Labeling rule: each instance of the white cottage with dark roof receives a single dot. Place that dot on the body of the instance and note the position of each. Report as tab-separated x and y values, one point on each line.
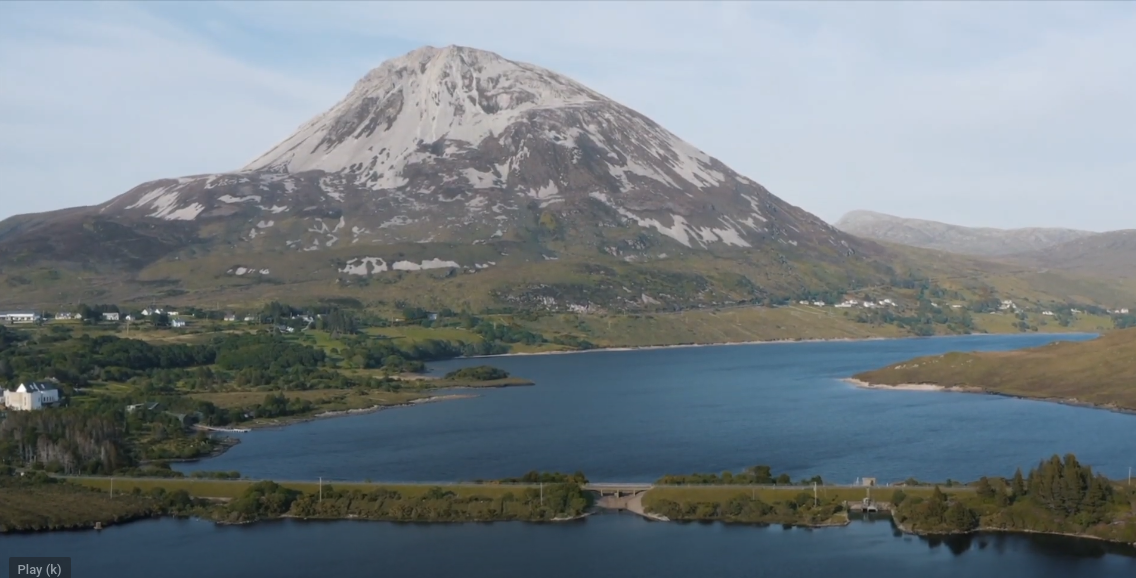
32	396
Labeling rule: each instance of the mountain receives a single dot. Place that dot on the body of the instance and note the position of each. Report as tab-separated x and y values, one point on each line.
498	181
1100	371
953	238
1106	255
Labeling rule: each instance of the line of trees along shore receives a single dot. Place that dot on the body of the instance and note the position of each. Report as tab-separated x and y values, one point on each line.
1057	496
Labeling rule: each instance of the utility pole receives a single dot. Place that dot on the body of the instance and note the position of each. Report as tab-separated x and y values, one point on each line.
1129	475
814	494
112	486
542	493
321	489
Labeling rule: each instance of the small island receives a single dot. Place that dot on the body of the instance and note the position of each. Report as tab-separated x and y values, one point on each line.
478	376
1100	372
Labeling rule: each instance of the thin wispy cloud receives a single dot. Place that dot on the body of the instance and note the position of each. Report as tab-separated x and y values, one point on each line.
998	114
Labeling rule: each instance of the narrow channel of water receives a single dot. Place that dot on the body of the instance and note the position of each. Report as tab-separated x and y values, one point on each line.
601	545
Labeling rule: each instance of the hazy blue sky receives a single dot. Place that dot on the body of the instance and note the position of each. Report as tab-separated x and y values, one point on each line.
1013	114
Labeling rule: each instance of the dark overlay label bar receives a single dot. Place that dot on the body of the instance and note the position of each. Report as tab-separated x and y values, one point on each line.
39	567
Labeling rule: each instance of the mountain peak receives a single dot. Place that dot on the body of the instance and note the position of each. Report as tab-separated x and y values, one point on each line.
430	94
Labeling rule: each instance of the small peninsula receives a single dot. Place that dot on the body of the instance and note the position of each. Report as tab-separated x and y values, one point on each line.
1100	372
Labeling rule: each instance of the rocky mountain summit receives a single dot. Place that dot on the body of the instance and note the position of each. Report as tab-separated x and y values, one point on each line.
431	154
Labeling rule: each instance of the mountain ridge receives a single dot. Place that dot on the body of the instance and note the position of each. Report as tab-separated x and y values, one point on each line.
980	241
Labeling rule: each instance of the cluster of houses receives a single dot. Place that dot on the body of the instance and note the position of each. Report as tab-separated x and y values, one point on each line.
867	304
32	396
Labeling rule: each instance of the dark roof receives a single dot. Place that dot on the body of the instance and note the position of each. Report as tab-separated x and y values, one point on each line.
39	386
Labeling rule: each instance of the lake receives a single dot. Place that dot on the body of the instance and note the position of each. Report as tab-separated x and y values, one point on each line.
602	545
633	416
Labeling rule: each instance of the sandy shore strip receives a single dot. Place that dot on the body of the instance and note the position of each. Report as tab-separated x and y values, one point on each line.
902	386
759	342
692	345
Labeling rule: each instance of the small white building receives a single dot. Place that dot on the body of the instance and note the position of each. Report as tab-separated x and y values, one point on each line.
110	316
230	317
818	303
19	317
31	396
62	316
173	314
1047	313
249	318
175	323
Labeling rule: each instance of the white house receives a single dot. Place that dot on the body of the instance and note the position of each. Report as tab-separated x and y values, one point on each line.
31	396
1047	313
230	317
173	314
110	316
63	316
177	323
249	318
19	317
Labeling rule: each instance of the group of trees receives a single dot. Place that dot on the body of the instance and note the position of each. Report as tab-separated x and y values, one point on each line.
69	440
1059	495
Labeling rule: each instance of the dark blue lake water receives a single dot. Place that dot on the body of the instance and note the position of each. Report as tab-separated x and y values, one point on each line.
636	415
605	545
633	416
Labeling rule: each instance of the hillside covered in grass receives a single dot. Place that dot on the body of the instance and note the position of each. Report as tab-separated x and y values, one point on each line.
1100	372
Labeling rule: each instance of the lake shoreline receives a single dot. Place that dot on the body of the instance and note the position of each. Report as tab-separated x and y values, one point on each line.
987	530
285	422
758	342
647	516
1072	402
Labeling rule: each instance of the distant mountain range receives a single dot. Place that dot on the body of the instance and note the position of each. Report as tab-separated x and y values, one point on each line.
1108	255
985	242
